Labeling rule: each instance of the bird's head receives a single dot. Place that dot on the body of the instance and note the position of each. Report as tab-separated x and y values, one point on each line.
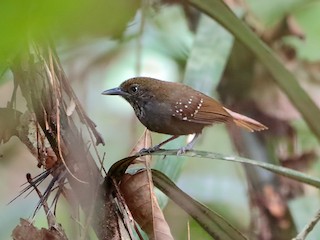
134	90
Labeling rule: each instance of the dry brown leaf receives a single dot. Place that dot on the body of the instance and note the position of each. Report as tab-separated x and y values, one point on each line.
26	231
294	28
9	121
287	26
300	162
275	205
145	141
273	202
272	101
138	193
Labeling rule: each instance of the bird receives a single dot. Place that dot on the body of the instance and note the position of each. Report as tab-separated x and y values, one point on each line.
176	109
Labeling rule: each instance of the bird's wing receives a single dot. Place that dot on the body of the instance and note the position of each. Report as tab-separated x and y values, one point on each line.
200	108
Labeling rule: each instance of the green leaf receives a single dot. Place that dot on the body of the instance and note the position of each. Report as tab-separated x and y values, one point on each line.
209	56
171	166
295	175
72	19
211	221
219	11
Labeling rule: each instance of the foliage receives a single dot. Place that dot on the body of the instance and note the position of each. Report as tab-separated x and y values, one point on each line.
101	43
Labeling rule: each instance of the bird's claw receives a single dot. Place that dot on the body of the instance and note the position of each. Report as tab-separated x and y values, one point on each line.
150	150
182	151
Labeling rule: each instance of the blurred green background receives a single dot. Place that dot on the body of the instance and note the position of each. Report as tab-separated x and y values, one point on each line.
102	43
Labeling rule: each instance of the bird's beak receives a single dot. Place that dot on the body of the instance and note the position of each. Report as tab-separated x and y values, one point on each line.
114	91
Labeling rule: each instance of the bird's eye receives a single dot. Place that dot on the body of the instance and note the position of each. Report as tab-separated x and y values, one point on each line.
133	89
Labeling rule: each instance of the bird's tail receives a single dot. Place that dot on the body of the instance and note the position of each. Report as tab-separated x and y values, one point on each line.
246	122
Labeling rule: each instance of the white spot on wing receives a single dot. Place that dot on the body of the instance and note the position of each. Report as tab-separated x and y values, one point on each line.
185	109
198	107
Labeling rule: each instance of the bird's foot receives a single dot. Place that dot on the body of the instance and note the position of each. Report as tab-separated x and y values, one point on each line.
181	151
150	150
185	149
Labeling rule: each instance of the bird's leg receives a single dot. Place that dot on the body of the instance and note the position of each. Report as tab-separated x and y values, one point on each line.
157	147
182	150
189	146
166	141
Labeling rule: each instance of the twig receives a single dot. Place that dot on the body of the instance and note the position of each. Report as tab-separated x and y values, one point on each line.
122	203
50	217
308	228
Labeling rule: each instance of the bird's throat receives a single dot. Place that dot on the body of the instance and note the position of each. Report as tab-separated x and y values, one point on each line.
139	111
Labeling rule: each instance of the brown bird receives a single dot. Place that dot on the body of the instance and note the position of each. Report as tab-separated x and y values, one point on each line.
177	109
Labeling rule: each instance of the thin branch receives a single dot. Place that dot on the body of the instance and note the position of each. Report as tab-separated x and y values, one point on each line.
308	228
